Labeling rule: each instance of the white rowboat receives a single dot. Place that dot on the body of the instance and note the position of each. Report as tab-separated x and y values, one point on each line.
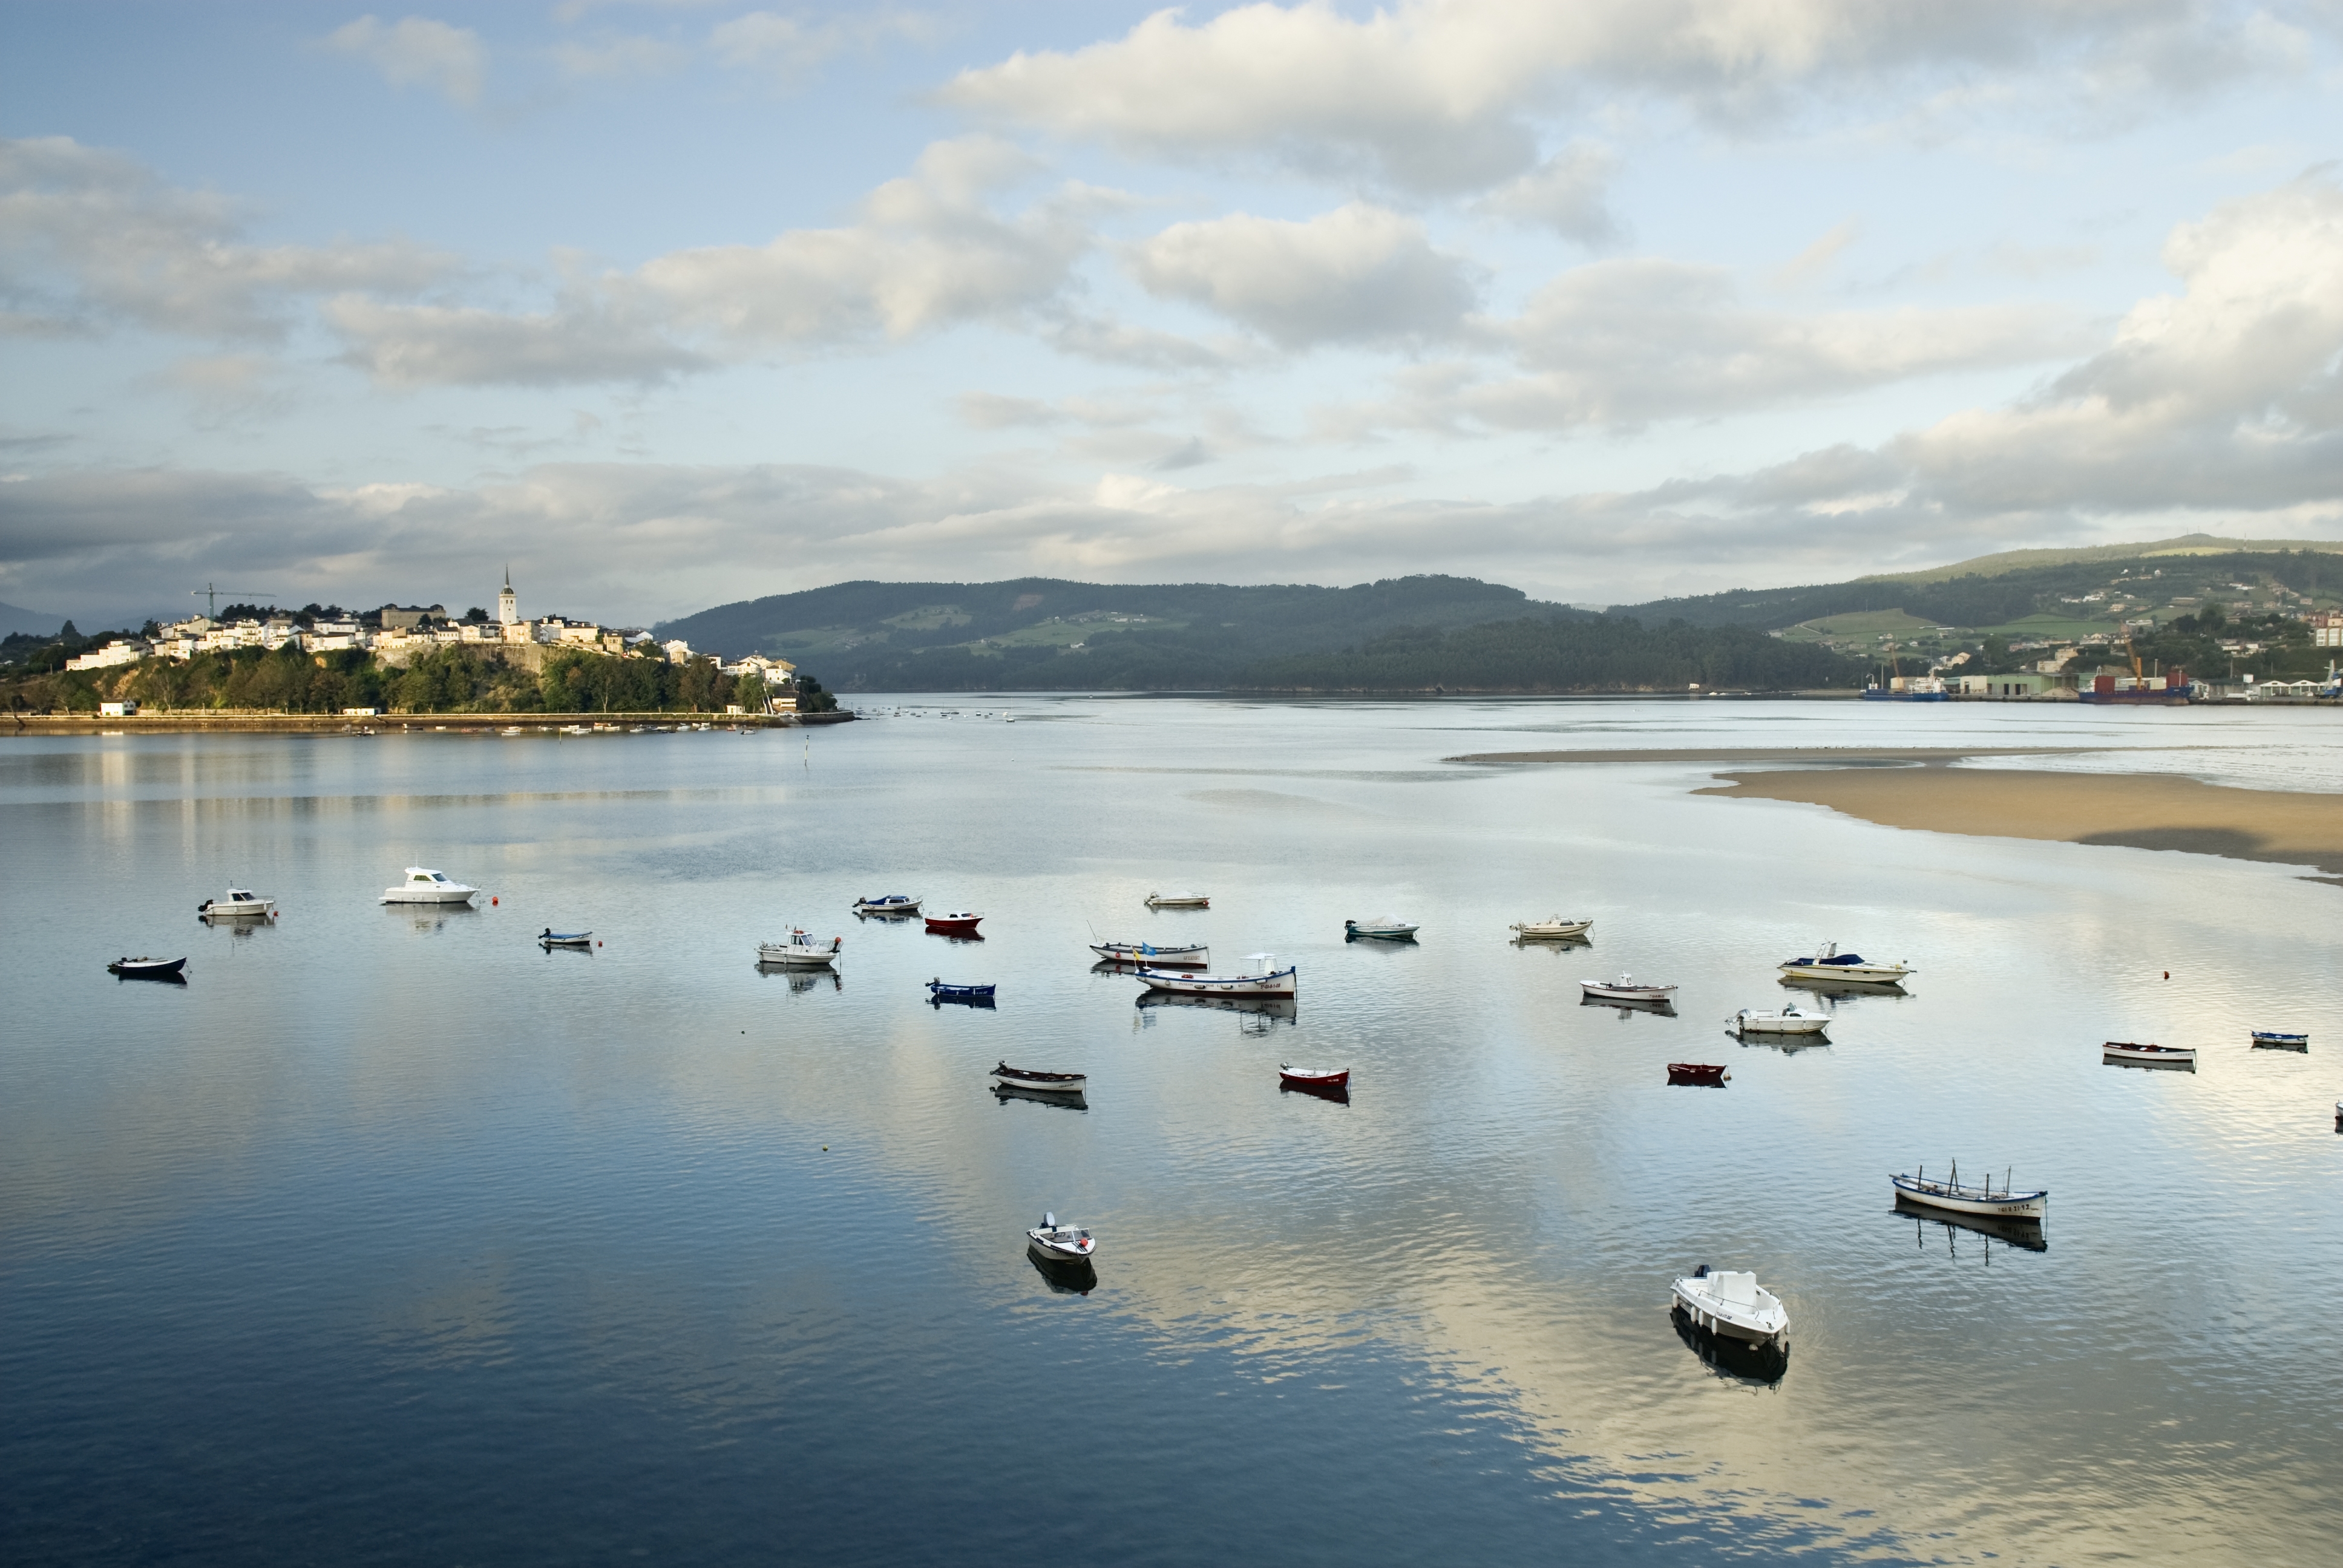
1267	980
2002	1205
1789	1020
1551	927
1730	1302
1625	989
1034	1080
1178	901
2150	1055
1197	955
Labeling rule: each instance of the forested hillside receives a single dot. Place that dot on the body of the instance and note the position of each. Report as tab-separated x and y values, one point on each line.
1547	654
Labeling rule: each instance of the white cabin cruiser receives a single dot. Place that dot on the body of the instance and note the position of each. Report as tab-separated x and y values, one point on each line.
1266	980
1178	901
1827	962
1789	1020
424	886
1550	929
800	951
241	903
1055	1243
1731	1304
1625	989
2005	1204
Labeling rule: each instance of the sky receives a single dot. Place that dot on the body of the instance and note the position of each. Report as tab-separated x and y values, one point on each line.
669	305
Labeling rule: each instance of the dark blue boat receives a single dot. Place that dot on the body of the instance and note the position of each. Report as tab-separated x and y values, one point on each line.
973	995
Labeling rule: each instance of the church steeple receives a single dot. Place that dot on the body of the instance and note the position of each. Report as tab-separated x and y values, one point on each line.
507	606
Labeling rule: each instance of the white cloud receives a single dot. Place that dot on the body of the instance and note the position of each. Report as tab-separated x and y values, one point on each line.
89	238
1566	194
417	52
582	340
618	56
790	46
1358	274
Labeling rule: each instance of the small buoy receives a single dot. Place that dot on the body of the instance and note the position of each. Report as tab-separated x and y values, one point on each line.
825	1148
492	899
598	944
2167	974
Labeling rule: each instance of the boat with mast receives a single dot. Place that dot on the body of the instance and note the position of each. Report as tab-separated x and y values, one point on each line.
2008	1203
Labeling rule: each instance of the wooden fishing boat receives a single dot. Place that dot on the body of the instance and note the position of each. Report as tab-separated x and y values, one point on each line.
2131	1053
1732	1304
146	967
1384	928
2274	1039
1313	1076
1055	1243
1625	989
241	903
981	995
888	904
1039	1083
550	937
1266	981
1789	1020
2005	1204
960	923
1177	901
799	950
1551	929
1702	1072
1828	960
1195	956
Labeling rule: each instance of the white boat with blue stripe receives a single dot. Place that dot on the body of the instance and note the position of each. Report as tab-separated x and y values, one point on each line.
1265	979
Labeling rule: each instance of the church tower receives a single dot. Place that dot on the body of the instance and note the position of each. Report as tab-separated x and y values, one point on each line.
508	606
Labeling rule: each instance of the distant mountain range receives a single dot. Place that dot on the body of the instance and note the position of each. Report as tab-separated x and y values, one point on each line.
16	620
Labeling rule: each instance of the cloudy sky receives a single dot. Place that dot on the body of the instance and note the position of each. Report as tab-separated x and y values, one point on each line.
677	303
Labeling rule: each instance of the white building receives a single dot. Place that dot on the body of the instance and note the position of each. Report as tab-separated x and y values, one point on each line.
121	650
507	606
2327	629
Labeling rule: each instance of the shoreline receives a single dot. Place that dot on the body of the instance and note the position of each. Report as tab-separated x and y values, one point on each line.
387	723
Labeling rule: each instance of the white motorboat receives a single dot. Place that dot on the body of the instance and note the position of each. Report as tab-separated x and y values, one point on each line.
1828	961
1266	980
1385	927
1731	1304
1550	929
1035	1080
1177	901
424	886
888	904
799	950
1789	1020
1196	955
2125	1050
2005	1204
1055	1243
550	937
1625	989
241	903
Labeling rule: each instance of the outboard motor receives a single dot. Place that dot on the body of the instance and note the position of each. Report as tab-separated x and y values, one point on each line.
1048	1221
1701	1272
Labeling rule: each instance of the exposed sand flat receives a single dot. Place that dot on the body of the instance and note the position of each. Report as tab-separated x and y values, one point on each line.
1857	754
2143	811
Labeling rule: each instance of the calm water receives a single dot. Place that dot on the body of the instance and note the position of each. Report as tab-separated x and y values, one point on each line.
391	1238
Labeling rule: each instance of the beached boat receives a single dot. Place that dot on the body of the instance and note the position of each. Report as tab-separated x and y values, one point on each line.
1384	928
1265	979
550	937
2125	1050
1625	989
1177	901
1828	960
1313	1076
1706	1072
2274	1039
1789	1020
1039	1083
960	923
888	904
1056	1243
799	950
1731	1303
424	886
939	991
1550	929
241	903
2005	1204
1195	956
146	967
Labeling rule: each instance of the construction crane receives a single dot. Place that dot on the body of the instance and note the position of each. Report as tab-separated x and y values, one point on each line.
210	595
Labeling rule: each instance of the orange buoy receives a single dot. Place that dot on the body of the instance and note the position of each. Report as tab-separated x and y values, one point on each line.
492	899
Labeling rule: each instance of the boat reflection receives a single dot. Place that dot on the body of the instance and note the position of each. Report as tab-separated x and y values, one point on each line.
940	999
1840	986
2026	1234
800	980
1279	1008
429	917
1340	1093
958	938
1734	1361
1786	1044
1065	1278
1005	1093
1663	1008
1554	945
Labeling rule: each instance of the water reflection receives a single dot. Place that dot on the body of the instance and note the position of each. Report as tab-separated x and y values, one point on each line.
1005	1092
1340	1093
802	980
431	919
1063	1277
1833	989
2021	1234
1663	1008
1278	1009
1557	946
1733	1361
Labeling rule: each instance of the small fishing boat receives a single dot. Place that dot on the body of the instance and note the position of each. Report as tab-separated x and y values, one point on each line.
1266	980
424	886
1702	1072
2125	1050
1789	1020
1385	927
2005	1204
1056	1243
1552	927
1039	1083
550	937
146	968
888	904
1828	960
1313	1076
241	903
1195	956
2273	1039
980	995
799	950
1625	989
960	923
1731	1303
1177	901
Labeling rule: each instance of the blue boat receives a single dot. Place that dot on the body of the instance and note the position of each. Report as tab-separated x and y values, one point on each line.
970	995
888	904
2277	1040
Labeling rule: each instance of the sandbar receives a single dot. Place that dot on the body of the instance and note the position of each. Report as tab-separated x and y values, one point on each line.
2141	811
1845	754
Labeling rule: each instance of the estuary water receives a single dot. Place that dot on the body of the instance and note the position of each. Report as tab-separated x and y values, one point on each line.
390	1237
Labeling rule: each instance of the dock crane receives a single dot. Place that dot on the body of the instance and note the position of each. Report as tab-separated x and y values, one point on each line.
210	596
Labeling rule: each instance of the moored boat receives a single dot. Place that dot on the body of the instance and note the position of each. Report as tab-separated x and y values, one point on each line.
425	886
1625	989
550	937
241	903
1550	929
1266	980
1177	901
982	995
1789	1020
959	923
1731	1303
2131	1052
2005	1204
1038	1082
1838	966
1195	956
1055	1243
799	950
2275	1039
1384	928
146	967
1313	1076
888	904
1703	1073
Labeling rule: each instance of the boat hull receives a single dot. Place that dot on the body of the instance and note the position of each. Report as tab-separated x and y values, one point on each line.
2264	1040
1752	1325
1147	955
1858	974
2034	1206
146	968
893	905
2150	1056
1698	1072
1552	930
1753	1025
1356	932
1648	994
430	896
1279	984
1040	1082
786	957
1177	901
1314	1077
237	909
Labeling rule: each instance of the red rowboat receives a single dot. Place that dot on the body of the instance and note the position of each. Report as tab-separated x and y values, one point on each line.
1698	1072
1314	1077
962	924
